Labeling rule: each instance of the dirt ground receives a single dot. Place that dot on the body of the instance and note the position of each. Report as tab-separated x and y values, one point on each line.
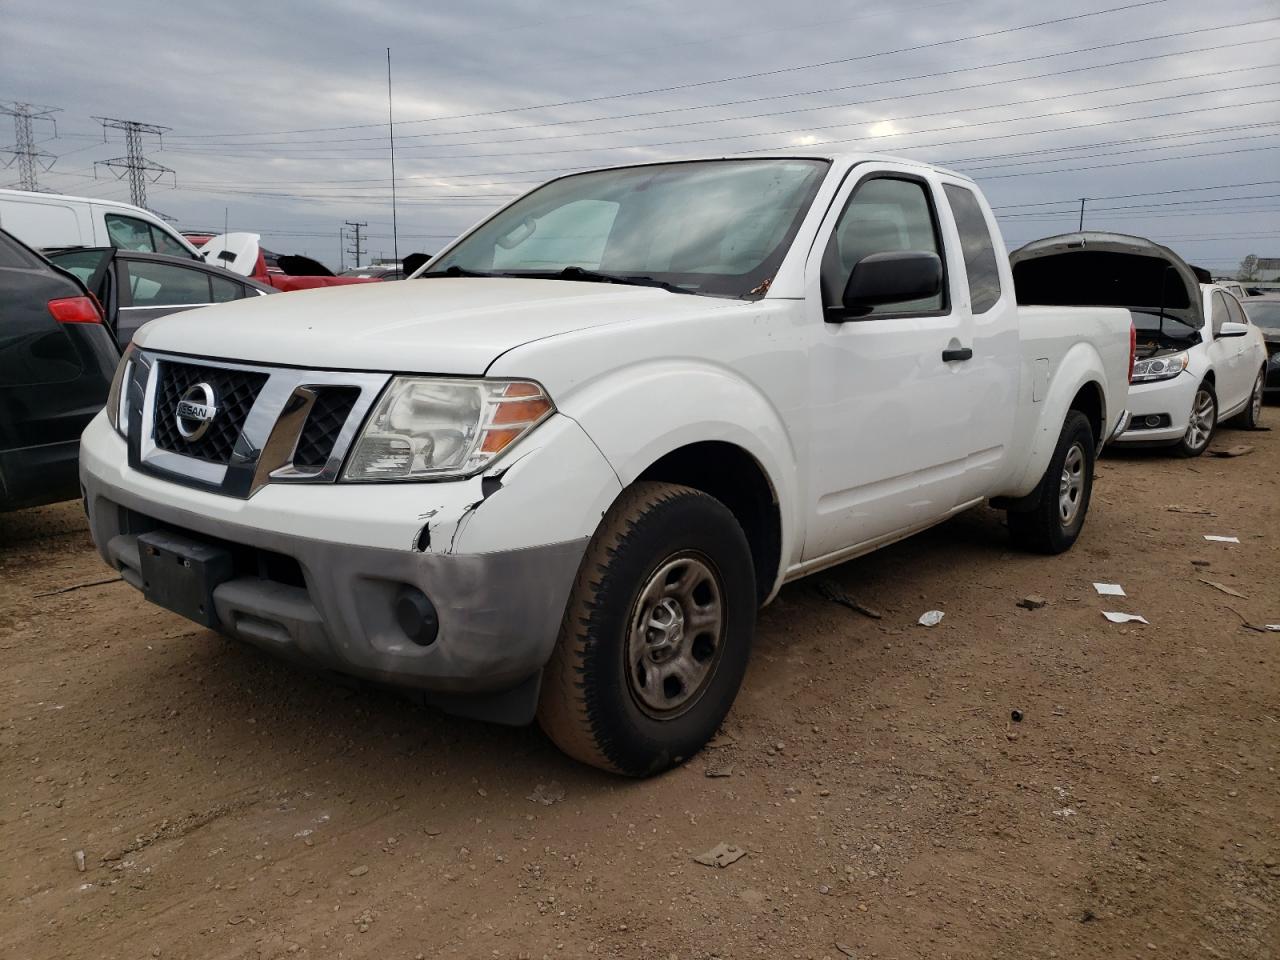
231	806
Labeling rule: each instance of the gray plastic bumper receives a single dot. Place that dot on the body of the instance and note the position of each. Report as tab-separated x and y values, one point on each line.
499	613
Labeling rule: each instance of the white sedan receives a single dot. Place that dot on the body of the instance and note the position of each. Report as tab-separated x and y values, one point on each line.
1189	375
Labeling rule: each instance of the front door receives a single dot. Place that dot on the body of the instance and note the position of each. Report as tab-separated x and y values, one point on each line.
1233	381
889	413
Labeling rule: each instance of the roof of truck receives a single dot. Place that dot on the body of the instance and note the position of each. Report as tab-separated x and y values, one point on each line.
841	159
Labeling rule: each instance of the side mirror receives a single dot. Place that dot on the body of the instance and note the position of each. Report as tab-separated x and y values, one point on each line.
895	277
1232	329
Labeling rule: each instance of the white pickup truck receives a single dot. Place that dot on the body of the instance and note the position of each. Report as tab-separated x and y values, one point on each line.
557	473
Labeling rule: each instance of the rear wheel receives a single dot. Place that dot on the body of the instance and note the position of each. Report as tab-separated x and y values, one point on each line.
656	635
1203	422
1055	520
1251	416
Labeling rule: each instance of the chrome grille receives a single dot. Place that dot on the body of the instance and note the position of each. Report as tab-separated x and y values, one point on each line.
269	425
235	390
328	415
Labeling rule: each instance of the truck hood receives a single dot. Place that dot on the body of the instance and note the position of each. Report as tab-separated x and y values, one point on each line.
447	325
1096	269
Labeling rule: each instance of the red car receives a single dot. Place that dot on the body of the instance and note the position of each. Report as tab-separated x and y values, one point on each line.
242	253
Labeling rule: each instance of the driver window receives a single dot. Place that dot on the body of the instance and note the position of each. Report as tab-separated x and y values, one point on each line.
129	233
1219	315
164	243
884	215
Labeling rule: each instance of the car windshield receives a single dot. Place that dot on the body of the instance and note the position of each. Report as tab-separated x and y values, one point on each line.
1264	313
718	227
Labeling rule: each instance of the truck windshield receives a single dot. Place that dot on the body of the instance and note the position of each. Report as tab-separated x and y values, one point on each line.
717	227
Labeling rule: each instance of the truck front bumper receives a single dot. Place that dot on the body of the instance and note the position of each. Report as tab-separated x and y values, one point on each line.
319	568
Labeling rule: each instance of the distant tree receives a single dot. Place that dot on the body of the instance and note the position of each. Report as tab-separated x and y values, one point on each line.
1248	268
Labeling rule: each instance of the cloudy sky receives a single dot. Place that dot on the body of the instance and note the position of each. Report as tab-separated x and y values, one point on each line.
1164	113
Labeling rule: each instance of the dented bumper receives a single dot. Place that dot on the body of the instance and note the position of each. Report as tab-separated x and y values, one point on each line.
318	567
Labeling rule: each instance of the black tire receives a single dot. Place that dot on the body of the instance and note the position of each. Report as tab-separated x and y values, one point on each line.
1196	440
1250	418
593	700
1047	527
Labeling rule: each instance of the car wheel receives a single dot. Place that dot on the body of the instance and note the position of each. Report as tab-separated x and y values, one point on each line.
656	635
1055	520
1204	420
1251	416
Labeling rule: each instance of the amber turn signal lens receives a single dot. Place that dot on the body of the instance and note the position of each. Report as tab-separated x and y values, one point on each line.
495	441
521	411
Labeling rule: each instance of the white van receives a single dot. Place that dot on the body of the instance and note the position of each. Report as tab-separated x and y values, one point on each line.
45	220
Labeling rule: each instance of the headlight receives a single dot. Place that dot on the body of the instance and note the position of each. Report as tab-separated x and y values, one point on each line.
118	397
427	428
1159	368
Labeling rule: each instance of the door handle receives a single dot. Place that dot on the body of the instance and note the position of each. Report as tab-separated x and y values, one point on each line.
963	353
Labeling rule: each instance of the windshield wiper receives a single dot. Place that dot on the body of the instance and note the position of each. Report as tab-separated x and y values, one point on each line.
457	271
595	276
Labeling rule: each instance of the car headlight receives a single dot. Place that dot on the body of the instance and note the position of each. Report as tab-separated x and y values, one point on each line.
1159	368
427	428
118	397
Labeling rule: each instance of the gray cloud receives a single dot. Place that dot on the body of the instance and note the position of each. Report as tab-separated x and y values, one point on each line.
496	95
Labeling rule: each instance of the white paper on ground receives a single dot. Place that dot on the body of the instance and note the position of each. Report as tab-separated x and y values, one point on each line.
1217	539
931	618
1110	589
1124	617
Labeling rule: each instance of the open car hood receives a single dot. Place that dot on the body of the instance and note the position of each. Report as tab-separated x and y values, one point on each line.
1095	269
237	252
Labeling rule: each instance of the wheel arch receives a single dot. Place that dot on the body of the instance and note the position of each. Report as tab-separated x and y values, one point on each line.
738	480
1091	401
1078	383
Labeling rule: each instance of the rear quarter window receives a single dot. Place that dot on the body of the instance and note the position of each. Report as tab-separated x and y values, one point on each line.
980	263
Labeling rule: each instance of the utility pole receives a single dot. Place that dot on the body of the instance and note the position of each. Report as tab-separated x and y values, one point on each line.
342	250
137	167
24	151
1082	202
356	249
391	129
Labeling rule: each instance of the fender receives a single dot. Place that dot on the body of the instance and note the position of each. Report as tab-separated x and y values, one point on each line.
638	413
1081	365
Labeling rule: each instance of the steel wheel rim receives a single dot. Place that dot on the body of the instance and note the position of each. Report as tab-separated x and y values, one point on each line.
1200	427
675	635
1257	398
1071	485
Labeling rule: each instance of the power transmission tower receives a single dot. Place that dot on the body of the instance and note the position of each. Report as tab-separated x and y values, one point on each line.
356	248
134	165
24	152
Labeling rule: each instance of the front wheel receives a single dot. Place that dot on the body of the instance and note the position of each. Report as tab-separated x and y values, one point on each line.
656	636
1056	518
1251	416
1204	420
